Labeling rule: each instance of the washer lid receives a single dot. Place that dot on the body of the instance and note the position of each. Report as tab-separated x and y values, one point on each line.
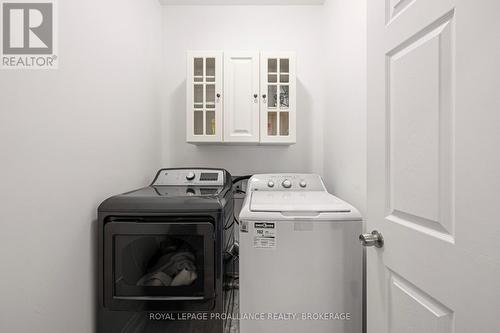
294	201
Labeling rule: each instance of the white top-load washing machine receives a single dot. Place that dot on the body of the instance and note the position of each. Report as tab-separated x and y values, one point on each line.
301	264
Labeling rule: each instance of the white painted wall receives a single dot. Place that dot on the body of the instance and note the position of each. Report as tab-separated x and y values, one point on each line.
289	28
68	139
345	107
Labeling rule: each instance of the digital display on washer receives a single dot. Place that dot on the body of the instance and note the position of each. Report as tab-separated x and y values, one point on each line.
209	176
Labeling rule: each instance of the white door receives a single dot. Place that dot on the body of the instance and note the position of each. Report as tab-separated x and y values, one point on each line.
278	92
203	97
241	96
434	166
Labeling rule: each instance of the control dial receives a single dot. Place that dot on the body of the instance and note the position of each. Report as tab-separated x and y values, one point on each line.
303	183
190	176
270	183
286	183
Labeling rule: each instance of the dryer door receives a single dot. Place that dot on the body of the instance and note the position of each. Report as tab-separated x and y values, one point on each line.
147	263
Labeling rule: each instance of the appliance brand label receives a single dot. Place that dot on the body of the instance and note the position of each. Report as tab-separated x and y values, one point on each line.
264	235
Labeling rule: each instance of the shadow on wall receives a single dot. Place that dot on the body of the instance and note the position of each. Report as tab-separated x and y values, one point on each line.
239	159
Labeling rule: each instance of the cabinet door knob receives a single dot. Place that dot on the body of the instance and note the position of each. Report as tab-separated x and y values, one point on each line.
264	96
218	95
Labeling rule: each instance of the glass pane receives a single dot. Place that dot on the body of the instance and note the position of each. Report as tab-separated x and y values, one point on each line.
272	97
198	122
198	94
284	66
211	79
272	65
210	66
272	78
198	66
210	94
284	123
284	97
158	265
284	78
272	123
210	126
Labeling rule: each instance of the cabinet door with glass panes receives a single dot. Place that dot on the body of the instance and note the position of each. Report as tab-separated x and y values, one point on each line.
204	96
277	84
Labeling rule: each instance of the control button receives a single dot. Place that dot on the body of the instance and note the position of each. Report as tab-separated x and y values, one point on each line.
190	175
270	183
286	183
303	183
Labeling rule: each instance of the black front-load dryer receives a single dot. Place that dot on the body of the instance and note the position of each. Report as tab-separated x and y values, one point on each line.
160	266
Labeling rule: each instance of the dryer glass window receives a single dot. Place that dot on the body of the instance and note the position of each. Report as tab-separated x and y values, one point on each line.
159	265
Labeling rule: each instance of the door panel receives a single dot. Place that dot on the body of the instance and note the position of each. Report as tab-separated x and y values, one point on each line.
419	95
433	173
241	103
396	7
412	310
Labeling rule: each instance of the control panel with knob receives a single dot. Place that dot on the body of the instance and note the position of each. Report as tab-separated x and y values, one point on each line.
286	182
189	177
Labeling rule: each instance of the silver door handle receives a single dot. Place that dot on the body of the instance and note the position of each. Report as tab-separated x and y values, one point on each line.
373	239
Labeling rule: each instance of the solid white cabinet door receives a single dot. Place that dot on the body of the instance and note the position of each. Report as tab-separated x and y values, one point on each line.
433	166
204	96
278	96
241	96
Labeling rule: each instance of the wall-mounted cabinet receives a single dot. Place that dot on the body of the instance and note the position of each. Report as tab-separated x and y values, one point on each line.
241	97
